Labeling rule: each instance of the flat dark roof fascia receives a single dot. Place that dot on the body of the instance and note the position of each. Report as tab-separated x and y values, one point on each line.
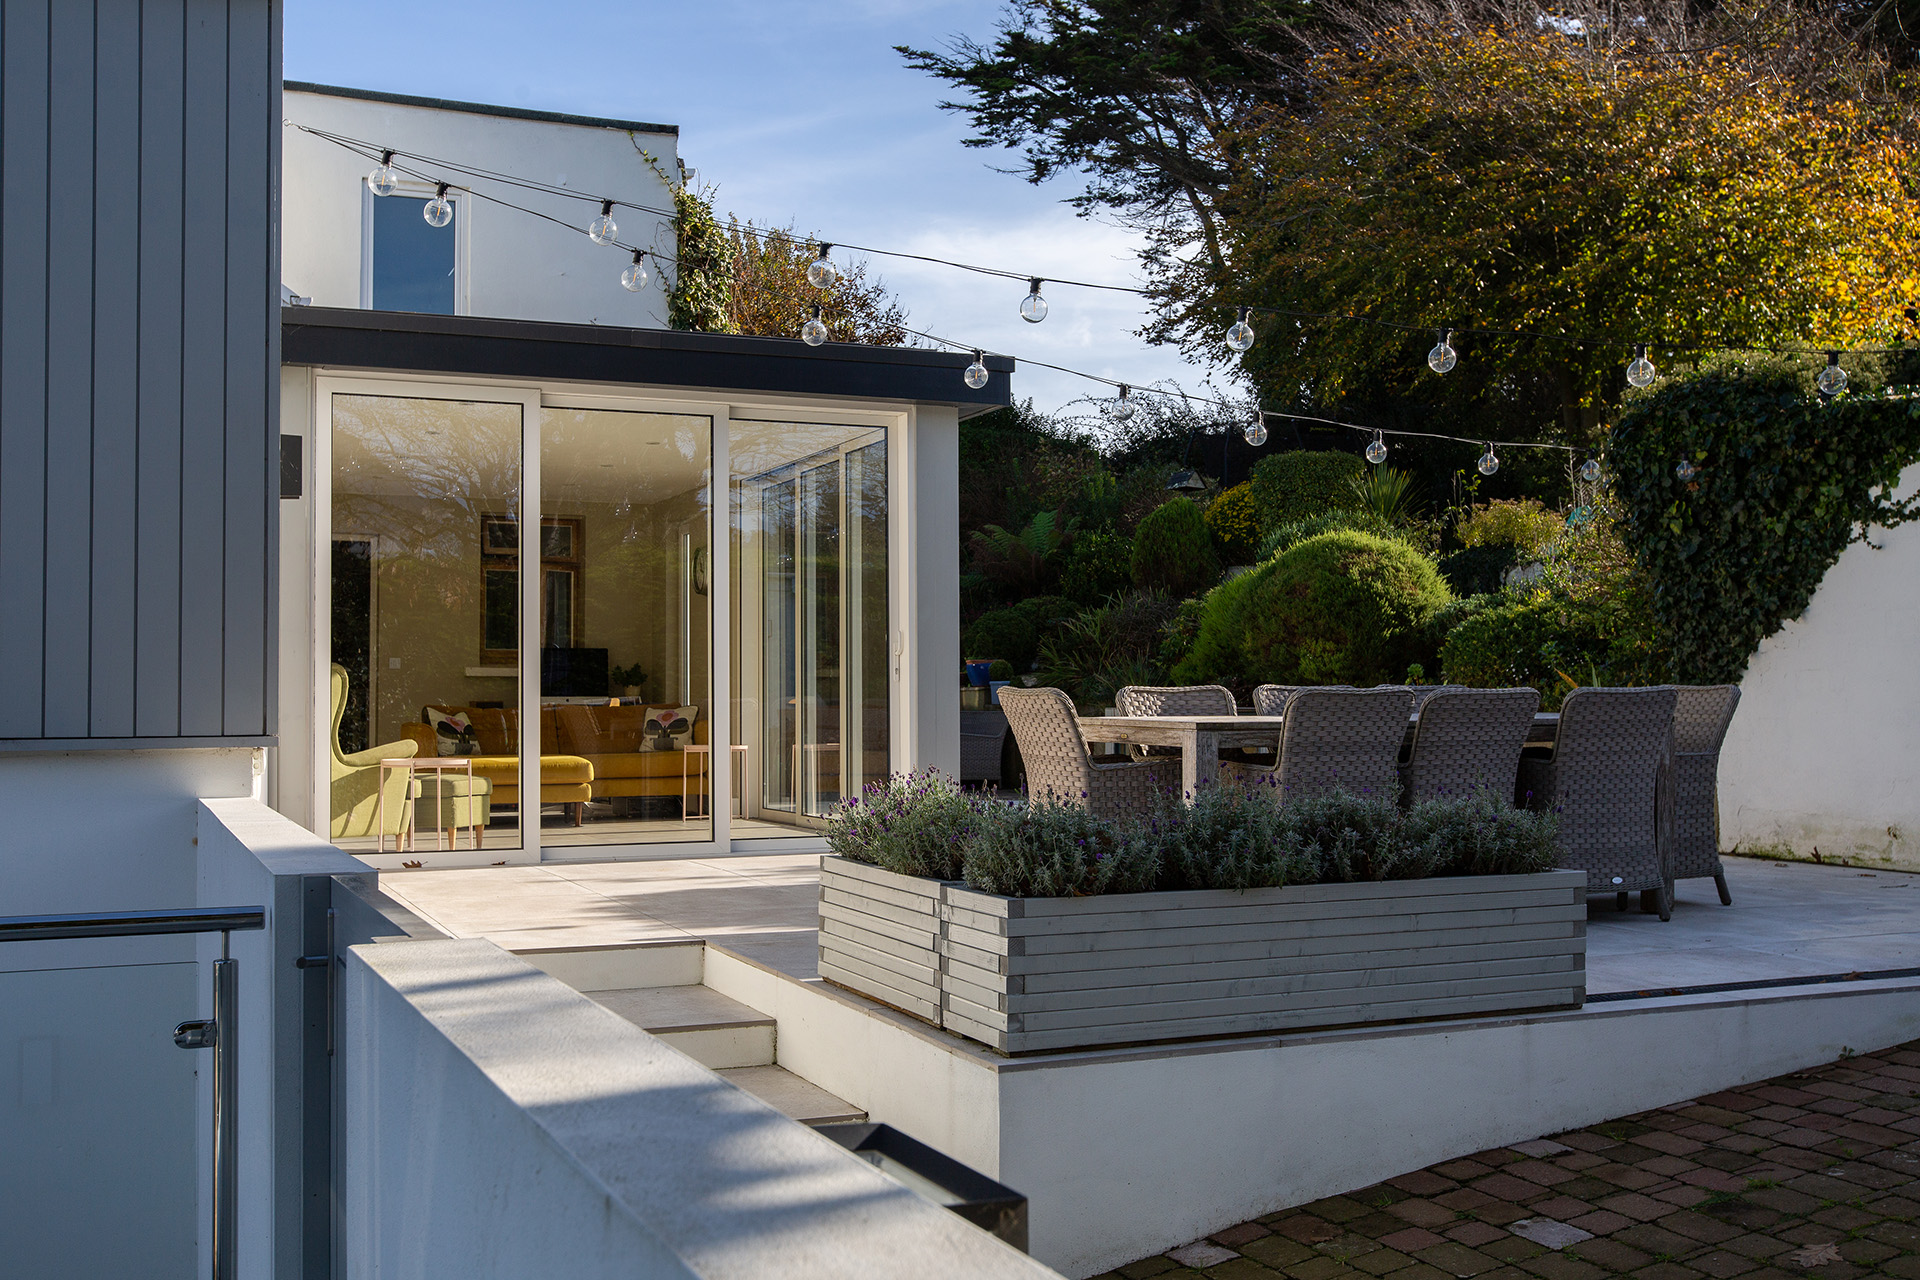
397	341
478	108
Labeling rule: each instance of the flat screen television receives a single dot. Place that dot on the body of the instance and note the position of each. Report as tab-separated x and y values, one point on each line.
573	673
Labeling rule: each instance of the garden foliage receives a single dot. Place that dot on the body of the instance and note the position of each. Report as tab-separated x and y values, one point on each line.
1092	655
1096	566
1234	520
1172	550
1524	524
1340	608
1004	634
1301	484
1281	537
1782	484
1227	838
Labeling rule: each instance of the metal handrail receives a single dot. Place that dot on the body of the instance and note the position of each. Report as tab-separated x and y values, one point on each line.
130	924
219	1033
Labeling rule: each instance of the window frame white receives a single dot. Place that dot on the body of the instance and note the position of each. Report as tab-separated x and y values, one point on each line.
463	209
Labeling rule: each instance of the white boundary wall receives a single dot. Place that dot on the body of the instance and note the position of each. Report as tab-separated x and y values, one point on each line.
1123	1154
499	1123
1822	752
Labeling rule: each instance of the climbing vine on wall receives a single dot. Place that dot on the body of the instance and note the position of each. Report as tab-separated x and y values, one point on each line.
703	278
1780	485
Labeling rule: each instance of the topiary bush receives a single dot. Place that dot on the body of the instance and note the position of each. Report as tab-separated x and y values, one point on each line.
1302	483
1342	608
1233	519
1098	565
1003	633
1542	642
1217	651
1781	484
1172	550
1294	532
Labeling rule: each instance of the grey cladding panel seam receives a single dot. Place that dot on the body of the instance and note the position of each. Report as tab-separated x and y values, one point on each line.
138	162
23	386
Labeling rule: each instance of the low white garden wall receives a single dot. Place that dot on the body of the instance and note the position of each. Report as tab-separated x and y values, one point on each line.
1820	758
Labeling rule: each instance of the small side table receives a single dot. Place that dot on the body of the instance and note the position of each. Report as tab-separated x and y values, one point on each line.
412	765
737	753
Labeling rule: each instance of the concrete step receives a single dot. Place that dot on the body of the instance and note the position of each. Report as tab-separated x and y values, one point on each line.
807	1103
621	966
710	1028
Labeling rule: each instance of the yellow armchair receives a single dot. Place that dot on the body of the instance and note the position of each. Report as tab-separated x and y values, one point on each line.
356	778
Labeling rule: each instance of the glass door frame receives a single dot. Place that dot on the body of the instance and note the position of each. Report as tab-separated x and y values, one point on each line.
903	714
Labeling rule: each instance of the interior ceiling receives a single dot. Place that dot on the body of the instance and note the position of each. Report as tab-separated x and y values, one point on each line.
395	447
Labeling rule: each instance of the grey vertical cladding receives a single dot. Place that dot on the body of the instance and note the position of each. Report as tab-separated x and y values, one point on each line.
138	292
23	365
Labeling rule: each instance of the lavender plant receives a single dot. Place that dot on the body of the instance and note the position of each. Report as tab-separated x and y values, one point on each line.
915	824
1227	838
1480	834
1054	850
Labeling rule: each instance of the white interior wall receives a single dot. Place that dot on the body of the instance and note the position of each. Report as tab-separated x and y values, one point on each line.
1820	756
518	266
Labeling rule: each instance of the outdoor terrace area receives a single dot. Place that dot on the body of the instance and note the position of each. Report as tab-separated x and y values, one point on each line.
1788	919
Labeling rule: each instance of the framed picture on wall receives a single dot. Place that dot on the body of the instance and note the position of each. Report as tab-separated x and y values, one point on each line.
499	536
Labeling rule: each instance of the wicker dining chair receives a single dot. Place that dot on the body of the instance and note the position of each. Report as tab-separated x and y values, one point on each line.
1172	700
1467	738
1421	692
1609	778
1337	739
1059	766
1701	714
1271	699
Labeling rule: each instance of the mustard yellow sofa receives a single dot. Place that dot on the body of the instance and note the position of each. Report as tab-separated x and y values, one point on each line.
586	752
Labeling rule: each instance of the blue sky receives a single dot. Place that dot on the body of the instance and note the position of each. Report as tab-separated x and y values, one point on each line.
797	111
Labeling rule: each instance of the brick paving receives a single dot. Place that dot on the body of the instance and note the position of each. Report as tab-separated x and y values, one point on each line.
1813	1174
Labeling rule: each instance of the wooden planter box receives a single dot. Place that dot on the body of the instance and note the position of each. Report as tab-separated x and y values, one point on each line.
1032	974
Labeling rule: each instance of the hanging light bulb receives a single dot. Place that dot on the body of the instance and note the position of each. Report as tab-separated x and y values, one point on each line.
1488	463
1256	432
1590	470
383	179
1033	307
814	331
1240	335
437	211
634	278
1640	371
1123	408
603	229
1377	451
1685	469
976	374
821	272
1443	357
1833	379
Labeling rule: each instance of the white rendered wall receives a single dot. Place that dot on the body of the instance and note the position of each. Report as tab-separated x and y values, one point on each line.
290	763
1822	754
932	608
517	266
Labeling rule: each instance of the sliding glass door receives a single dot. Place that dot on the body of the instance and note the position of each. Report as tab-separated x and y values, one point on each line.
810	571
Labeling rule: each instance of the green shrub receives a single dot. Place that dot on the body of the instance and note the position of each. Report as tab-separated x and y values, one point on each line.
1052	849
1234	520
1172	550
1524	524
1477	570
1096	653
919	824
1098	565
1294	532
1549	644
1342	608
1302	483
1387	493
1217	653
1456	611
1227	838
1178	635
1005	634
1480	834
1344	838
1000	670
1046	611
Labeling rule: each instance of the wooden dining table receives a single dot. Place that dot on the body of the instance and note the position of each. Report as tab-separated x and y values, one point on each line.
1200	738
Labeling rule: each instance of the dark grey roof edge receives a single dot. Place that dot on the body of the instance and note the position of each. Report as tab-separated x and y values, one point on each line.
479	108
398	340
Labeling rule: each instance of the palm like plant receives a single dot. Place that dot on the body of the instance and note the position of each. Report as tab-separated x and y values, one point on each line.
1387	492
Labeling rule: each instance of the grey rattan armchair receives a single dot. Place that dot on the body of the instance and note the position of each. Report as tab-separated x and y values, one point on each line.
1467	738
1701	714
1337	739
1047	729
1609	780
1421	692
1271	699
1172	700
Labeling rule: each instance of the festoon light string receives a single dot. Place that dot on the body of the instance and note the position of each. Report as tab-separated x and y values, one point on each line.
1238	337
